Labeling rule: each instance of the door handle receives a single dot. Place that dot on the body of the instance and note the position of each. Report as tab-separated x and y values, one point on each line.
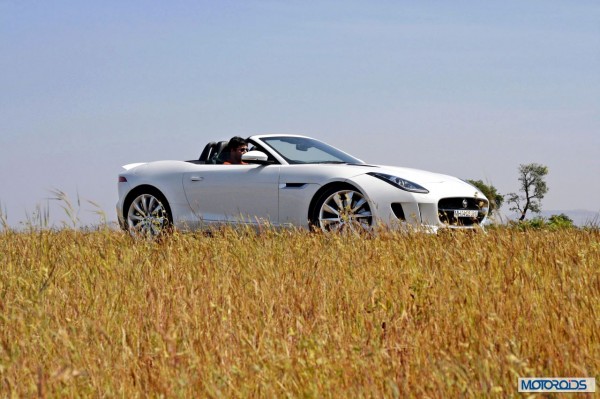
196	178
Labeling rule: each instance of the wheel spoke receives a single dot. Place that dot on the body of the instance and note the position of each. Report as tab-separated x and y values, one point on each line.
364	214
151	203
355	227
137	207
349	196
136	227
158	210
144	204
358	204
338	201
328	208
336	227
133	216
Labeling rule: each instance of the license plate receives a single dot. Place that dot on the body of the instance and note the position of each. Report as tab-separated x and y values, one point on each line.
465	213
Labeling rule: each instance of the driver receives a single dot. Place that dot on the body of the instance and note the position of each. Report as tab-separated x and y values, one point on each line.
237	147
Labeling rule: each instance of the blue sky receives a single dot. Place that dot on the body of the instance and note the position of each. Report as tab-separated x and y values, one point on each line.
467	88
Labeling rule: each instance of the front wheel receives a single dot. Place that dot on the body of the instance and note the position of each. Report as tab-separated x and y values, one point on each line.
341	210
148	216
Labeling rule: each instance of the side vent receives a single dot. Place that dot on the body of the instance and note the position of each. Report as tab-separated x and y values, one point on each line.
398	211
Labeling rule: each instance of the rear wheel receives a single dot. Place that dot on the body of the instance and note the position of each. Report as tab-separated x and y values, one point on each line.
148	216
342	209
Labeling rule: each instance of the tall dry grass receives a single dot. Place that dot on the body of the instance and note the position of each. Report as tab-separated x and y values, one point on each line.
296	314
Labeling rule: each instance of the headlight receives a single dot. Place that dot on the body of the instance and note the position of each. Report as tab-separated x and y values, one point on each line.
401	183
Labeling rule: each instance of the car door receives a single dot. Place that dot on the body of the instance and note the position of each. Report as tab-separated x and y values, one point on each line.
234	193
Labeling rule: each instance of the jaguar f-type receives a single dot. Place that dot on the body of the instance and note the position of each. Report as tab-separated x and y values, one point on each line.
290	180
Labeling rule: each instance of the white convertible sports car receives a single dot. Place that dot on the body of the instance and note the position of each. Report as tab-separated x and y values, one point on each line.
291	180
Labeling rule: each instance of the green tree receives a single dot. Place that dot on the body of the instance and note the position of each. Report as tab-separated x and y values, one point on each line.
491	193
533	188
560	221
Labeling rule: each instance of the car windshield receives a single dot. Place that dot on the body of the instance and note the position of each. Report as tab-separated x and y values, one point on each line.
300	150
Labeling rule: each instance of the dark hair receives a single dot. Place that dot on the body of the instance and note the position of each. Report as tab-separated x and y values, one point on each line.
236	142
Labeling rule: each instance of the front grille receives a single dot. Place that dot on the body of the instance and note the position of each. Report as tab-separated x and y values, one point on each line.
448	206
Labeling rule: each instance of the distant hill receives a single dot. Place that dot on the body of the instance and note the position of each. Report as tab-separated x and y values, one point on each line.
580	217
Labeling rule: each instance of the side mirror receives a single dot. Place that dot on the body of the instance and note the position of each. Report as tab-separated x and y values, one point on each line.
258	157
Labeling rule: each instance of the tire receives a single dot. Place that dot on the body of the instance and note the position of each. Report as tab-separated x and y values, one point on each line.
342	209
149	215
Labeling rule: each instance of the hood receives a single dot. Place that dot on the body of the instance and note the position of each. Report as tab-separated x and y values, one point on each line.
435	183
416	175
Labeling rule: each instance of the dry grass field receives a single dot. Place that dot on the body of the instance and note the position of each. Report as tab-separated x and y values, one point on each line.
296	314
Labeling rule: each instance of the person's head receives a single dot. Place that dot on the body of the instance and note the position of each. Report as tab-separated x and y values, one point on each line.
237	147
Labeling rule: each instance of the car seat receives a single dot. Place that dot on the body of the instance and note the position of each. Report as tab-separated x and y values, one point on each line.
221	153
208	152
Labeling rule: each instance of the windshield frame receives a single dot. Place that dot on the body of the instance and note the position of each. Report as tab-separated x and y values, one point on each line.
339	157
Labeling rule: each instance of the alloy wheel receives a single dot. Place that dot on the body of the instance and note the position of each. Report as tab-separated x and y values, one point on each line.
147	217
345	210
